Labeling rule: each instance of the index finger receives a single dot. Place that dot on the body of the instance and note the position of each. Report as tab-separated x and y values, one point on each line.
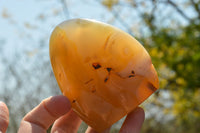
41	117
133	121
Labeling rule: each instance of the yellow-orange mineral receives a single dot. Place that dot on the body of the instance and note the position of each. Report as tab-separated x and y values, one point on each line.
103	71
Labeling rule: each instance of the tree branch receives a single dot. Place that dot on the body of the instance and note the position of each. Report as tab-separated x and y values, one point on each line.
65	8
178	10
126	25
196	7
122	22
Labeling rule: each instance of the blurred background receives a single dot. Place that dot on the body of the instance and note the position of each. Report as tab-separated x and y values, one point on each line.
168	29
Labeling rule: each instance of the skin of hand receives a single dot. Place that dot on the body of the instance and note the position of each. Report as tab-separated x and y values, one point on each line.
57	110
4	117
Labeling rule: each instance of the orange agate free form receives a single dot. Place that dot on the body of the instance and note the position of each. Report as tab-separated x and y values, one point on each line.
102	70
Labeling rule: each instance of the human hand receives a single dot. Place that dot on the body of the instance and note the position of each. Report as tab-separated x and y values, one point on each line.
4	117
56	110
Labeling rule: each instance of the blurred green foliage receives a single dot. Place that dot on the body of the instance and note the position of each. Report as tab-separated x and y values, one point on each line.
175	53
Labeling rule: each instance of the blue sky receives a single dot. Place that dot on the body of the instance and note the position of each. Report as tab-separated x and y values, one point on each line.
24	24
20	23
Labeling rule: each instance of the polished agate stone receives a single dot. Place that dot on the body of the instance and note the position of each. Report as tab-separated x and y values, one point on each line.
102	70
